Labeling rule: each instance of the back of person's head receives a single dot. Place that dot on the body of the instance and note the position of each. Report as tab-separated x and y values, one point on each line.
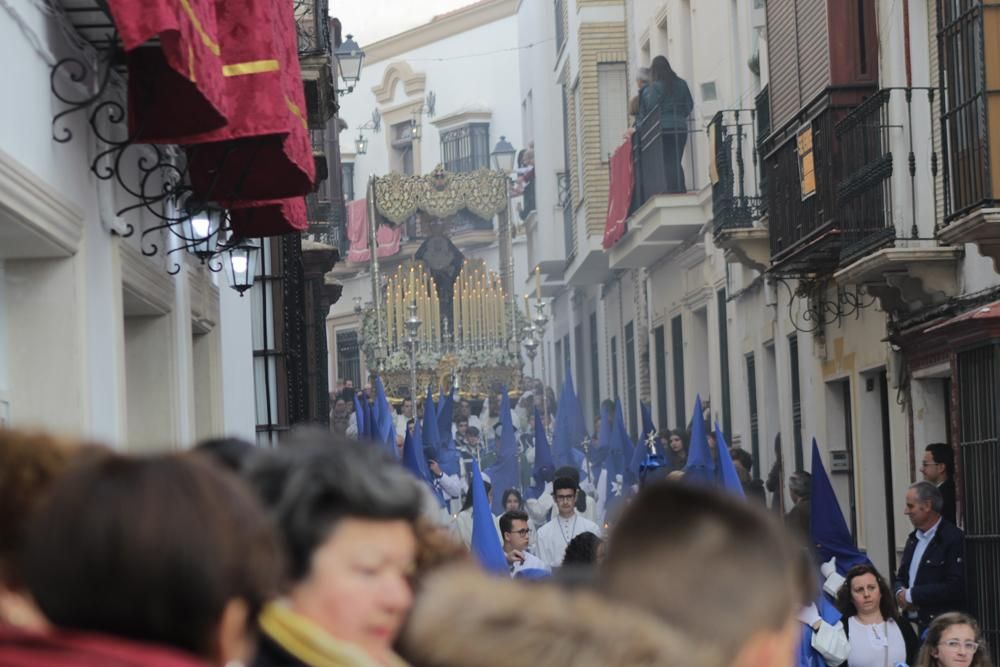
717	569
937	633
29	464
582	549
164	549
944	454
537	623
800	484
311	487
231	453
467	501
845	603
660	70
743	457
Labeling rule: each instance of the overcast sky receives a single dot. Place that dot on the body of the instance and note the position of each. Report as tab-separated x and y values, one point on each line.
372	20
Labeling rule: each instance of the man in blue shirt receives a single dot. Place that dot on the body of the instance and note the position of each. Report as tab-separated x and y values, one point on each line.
931	576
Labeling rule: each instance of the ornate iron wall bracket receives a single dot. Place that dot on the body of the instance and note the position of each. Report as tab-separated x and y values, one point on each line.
821	309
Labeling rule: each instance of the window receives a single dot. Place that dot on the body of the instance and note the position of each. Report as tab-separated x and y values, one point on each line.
727	424
793	354
595	375
807	173
402	148
466	148
578	118
560	28
677	342
349	357
660	350
754	414
612	83
347	181
631	388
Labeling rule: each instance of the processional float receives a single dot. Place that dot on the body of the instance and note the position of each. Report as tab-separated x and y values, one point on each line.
441	317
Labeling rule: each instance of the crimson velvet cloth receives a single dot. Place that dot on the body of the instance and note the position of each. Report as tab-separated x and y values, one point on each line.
19	648
263	153
178	88
268	218
619	194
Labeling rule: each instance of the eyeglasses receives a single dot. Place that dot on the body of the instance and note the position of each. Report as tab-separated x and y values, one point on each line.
524	532
927	464
955	644
561	498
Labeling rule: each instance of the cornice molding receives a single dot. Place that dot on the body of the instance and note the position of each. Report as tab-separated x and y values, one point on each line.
414	83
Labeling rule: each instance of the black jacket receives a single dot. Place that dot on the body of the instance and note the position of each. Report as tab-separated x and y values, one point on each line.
940	580
947	490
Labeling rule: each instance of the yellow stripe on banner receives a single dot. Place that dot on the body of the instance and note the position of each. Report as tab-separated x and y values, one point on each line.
205	37
250	67
294	108
191	63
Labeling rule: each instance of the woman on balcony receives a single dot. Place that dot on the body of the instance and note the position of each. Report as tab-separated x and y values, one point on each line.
669	94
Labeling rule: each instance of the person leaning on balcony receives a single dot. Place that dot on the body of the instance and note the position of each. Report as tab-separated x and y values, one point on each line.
670	94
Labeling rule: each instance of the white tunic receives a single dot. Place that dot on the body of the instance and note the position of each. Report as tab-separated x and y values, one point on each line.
557	533
875	645
461	527
531	562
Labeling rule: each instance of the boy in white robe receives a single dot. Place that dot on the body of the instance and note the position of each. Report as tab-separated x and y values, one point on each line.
566	523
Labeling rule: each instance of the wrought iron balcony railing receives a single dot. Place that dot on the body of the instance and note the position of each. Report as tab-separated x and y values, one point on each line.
877	139
733	146
763	106
664	157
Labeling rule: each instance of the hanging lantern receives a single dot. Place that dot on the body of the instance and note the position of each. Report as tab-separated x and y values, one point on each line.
241	264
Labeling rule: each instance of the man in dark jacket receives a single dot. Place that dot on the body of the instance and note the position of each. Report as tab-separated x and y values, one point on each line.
938	468
798	518
931	577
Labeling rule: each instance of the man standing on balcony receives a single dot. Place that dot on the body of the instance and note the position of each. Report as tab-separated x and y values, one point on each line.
669	94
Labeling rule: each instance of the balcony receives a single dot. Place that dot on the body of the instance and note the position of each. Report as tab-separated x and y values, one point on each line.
312	24
670	201
889	178
970	70
736	200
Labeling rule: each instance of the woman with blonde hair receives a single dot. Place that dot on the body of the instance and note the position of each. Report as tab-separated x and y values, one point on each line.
954	640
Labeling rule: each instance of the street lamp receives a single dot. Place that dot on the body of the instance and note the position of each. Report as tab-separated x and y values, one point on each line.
349	58
503	156
241	264
200	228
412	324
415	127
360	144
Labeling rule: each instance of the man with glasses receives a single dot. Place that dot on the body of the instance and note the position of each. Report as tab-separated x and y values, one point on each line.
567	524
938	468
516	535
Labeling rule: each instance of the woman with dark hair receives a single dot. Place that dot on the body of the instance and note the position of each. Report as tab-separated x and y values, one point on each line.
877	634
349	517
954	640
676	450
668	94
155	561
584	549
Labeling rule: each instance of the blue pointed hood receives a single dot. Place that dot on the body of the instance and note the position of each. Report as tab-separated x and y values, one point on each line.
385	423
570	430
485	543
359	416
445	412
700	468
543	469
416	463
625	445
828	528
730	480
504	474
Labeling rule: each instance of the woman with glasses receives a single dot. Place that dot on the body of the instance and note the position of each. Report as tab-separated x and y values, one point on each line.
876	634
954	640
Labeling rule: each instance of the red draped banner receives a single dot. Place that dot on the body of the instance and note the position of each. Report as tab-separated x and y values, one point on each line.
619	193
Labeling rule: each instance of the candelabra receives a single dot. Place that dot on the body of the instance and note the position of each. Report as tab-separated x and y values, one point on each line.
531	345
539	322
412	324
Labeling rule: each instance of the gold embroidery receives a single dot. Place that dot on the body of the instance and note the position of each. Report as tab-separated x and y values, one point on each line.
294	108
205	37
250	67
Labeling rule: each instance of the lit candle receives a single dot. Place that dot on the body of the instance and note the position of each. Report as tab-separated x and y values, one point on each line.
538	282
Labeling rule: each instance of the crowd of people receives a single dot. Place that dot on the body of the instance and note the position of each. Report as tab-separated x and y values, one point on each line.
335	551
